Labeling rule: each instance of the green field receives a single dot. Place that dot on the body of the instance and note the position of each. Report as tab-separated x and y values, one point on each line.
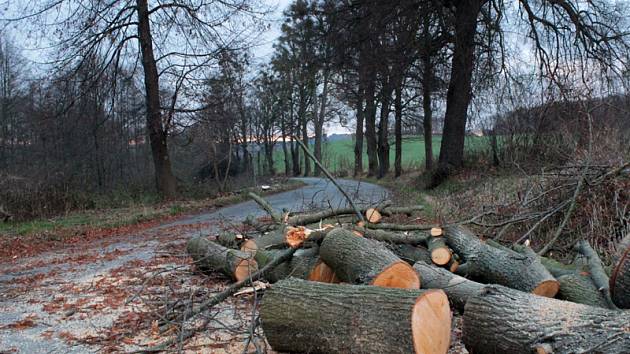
339	155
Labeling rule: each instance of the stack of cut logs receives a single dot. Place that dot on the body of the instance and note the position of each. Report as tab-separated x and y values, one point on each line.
374	287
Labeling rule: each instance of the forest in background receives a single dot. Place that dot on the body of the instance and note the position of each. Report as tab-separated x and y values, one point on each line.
143	99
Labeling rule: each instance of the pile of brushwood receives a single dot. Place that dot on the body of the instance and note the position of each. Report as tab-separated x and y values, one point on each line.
346	281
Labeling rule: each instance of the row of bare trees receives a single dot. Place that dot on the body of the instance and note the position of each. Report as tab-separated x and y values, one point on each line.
177	75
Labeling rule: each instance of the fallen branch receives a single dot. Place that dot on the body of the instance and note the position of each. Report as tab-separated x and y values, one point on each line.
277	218
217	299
331	178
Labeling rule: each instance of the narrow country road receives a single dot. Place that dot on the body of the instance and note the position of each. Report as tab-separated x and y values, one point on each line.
64	301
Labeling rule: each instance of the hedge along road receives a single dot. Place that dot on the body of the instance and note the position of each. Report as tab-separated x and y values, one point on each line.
46	301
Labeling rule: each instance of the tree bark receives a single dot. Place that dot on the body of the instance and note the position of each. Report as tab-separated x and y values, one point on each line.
412	238
398	131
309	317
459	90
158	135
620	277
370	128
283	131
319	123
499	266
580	289
358	137
458	289
502	320
273	238
427	121
301	265
596	268
210	256
358	260
383	133
411	254
307	163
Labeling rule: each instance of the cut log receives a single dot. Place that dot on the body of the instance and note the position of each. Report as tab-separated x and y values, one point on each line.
372	215
305	264
408	210
411	254
230	240
595	267
557	269
436	232
260	226
580	288
401	227
440	253
412	238
272	238
209	256
502	320
458	289
620	277
383	208
309	317
359	260
498	266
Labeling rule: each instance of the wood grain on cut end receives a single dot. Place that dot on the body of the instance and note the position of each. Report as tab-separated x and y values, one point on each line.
244	269
431	323
249	246
323	274
548	288
436	232
398	275
441	256
373	216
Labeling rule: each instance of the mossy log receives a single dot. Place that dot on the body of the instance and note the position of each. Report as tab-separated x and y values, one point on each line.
581	289
209	256
458	289
309	317
440	253
305	264
359	260
499	266
382	208
270	239
620	276
502	320
411	254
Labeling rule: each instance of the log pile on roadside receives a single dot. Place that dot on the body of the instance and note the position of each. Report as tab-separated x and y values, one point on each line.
363	286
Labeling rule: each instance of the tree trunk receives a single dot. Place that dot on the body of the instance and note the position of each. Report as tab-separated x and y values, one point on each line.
427	121
502	320
359	260
500	266
358	136
164	178
319	124
458	289
440	254
383	133
620	277
398	131
283	130
273	238
580	289
305	264
370	128
459	90
210	256
309	317
307	163
411	254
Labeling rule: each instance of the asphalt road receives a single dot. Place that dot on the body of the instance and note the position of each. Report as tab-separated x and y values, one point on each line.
22	297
